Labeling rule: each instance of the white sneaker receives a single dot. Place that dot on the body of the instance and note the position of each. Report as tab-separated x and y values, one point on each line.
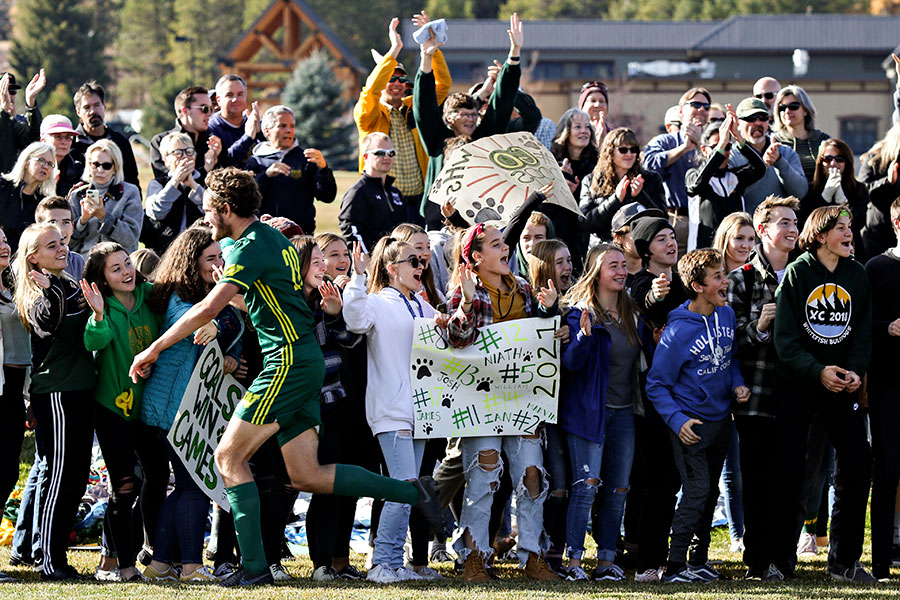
737	545
648	576
407	574
324	574
576	574
278	573
104	575
382	574
807	546
425	572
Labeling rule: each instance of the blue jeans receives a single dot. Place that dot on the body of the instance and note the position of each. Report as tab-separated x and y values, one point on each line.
482	482
403	456
587	460
182	518
615	474
26	543
733	486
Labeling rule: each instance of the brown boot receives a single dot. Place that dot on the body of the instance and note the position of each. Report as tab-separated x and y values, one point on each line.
474	571
537	569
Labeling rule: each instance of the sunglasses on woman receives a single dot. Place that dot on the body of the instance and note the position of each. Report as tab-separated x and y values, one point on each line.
413	261
628	149
792	106
838	159
106	166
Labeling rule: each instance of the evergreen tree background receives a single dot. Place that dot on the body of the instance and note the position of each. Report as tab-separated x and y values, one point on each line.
66	38
142	48
320	110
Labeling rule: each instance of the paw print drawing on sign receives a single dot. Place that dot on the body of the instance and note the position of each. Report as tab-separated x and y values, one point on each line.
428	428
421	368
446	400
526	357
498	429
484	384
490	211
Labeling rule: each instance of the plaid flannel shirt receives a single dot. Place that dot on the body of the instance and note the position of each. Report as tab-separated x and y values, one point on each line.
756	352
463	327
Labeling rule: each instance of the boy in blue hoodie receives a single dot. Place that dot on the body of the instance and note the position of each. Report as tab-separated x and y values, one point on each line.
694	377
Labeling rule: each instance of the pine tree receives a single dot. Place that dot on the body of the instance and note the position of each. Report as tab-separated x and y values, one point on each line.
321	111
142	48
62	36
207	28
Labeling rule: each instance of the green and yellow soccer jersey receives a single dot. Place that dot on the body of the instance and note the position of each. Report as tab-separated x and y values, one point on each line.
266	267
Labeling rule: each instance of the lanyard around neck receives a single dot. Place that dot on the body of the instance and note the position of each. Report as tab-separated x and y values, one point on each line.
408	305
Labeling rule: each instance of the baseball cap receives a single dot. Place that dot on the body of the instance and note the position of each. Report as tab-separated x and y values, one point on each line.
751	106
13	86
57	124
631	211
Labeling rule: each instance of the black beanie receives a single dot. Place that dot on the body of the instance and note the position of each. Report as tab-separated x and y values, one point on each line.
643	230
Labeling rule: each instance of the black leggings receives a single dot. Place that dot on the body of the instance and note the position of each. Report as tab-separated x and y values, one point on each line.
12	428
122	448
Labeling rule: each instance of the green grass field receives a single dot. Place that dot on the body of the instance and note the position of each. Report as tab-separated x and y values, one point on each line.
810	583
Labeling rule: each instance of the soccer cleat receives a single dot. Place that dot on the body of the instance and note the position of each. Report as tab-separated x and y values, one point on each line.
806	546
244	577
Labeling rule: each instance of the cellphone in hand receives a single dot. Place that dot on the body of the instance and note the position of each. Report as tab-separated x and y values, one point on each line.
93	196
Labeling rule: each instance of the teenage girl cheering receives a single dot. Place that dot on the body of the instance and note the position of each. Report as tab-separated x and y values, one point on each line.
121	325
600	393
385	311
484	292
53	310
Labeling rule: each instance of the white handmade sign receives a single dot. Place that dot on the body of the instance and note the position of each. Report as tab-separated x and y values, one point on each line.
490	178
207	405
505	383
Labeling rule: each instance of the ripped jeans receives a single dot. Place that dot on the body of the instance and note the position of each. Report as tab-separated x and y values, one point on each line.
615	473
403	456
587	460
481	483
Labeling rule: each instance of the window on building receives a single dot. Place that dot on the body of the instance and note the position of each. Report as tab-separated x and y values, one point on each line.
860	133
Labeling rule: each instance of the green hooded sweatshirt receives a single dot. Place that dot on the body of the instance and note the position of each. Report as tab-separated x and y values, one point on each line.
117	339
822	318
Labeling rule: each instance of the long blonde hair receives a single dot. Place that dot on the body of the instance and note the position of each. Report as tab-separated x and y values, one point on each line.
387	250
586	292
27	291
729	228
542	263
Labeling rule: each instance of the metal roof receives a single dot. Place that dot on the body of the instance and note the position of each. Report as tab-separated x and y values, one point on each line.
759	33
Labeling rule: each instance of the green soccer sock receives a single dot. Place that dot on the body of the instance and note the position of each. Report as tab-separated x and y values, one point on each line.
244	500
811	522
350	480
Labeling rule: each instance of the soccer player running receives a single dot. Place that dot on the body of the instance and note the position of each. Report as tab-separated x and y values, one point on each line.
284	399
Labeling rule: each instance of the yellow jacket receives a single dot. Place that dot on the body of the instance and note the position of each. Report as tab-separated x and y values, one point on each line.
371	115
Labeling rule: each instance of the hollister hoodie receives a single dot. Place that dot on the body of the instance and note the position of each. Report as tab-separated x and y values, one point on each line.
695	369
